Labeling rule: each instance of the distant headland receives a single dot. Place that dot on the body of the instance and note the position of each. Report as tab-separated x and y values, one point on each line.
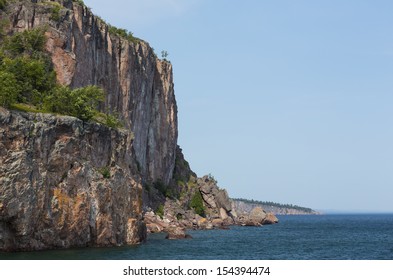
276	208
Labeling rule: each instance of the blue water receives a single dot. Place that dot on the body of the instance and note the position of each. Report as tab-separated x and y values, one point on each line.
324	237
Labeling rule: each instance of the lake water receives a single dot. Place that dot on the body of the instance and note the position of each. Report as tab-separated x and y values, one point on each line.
323	237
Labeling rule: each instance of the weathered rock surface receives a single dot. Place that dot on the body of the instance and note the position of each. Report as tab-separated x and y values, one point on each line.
217	200
256	217
139	86
65	183
215	216
53	193
177	233
270	219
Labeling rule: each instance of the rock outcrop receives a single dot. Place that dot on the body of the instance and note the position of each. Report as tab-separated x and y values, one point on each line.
217	203
139	86
214	211
66	183
256	217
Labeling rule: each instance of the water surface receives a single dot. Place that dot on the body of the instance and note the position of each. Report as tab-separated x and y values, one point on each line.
323	237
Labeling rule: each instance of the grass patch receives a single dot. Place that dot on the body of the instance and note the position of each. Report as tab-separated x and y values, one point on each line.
109	120
26	108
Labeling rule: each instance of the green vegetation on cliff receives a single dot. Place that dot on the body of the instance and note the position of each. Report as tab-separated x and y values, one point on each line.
3	3
123	33
197	203
27	77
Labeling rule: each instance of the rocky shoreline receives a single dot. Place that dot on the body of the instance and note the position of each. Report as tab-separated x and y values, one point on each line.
220	213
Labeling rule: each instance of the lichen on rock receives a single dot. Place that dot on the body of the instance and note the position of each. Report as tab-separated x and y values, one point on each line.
52	192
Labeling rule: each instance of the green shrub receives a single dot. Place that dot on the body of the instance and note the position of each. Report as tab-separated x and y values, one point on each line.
28	78
3	3
80	2
197	203
80	102
8	89
55	10
27	42
160	211
123	33
112	121
23	55
3	23
85	101
105	172
59	101
169	193
33	77
159	185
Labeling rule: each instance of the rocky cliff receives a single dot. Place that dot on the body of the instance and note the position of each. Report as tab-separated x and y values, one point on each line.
66	183
139	86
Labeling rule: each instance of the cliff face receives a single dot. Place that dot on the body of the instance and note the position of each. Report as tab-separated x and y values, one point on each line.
65	183
139	86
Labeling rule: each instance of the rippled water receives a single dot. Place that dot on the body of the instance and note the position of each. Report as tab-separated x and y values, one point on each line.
295	237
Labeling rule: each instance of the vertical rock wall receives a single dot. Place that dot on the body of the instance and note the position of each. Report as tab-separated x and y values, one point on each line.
65	183
139	86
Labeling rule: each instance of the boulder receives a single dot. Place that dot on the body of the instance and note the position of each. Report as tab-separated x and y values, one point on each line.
153	228
257	215
177	233
202	222
223	213
217	223
270	219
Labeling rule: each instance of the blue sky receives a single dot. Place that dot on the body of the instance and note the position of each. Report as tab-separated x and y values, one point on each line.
286	101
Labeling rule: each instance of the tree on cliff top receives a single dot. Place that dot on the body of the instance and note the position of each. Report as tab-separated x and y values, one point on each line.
80	102
8	89
27	76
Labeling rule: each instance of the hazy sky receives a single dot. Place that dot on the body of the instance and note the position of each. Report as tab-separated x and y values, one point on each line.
286	101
